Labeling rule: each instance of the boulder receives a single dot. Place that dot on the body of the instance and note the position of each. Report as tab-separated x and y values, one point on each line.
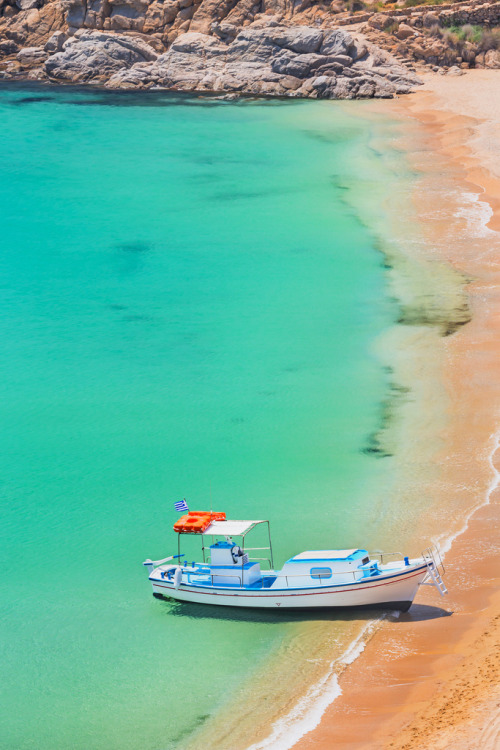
455	71
344	89
380	21
492	58
404	31
366	90
96	55
430	19
56	42
31	55
28	4
358	50
301	39
337	42
75	12
8	47
299	66
32	28
160	14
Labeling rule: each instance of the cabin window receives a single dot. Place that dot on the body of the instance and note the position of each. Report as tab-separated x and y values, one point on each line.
365	560
321	572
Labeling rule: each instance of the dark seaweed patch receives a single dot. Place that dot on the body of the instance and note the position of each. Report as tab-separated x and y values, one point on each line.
93	95
453	325
234	195
134	247
195	724
337	136
32	99
374	444
448	321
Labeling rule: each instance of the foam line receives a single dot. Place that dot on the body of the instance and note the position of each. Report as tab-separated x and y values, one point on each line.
443	542
477	214
308	711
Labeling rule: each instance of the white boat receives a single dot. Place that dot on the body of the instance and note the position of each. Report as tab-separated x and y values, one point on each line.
229	574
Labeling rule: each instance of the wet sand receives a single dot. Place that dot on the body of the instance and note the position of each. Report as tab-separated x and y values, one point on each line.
431	677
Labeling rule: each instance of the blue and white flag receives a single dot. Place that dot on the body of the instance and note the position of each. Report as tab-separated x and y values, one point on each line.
181	506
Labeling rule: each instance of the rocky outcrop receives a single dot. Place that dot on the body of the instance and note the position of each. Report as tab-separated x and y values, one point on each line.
95	56
264	47
429	38
276	61
33	27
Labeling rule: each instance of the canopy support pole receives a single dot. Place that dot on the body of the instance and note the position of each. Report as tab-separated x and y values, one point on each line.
270	545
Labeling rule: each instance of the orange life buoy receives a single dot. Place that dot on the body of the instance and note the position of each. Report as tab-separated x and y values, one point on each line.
197	521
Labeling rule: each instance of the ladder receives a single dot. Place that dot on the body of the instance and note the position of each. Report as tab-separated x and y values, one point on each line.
433	572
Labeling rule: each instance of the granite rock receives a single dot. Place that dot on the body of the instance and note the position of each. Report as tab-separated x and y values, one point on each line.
56	42
94	55
273	61
28	4
31	55
492	58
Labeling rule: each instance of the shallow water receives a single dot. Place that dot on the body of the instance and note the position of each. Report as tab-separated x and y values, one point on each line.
188	307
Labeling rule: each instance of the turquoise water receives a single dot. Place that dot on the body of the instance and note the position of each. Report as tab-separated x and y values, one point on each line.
187	306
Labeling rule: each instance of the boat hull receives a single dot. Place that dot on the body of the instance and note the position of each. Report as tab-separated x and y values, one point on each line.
395	591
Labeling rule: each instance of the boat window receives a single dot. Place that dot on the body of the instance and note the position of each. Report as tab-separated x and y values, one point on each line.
365	560
321	572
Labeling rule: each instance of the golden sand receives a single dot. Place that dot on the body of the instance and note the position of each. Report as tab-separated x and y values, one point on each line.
431	678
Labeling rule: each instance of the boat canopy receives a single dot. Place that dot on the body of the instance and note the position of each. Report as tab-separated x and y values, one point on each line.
328	554
221	527
230	528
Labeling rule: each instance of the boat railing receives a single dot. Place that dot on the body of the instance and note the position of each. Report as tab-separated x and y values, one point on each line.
226	575
354	575
350	575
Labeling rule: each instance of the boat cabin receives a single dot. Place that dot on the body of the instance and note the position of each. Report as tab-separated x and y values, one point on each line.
321	565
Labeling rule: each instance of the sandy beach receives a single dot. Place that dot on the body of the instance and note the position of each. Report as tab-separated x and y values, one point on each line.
431	677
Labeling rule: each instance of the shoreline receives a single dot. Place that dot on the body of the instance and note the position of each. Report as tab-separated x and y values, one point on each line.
430	288
426	681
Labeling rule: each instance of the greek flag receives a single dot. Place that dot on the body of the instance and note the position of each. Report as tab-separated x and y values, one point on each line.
181	506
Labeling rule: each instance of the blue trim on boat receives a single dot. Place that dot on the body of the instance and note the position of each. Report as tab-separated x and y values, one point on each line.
378	579
246	566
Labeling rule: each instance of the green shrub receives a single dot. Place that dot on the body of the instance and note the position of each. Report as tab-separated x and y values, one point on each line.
489	40
467	33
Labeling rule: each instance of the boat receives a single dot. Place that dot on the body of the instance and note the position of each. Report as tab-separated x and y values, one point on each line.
230	574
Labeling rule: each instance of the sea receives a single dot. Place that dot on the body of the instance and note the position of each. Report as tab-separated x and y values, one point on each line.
190	302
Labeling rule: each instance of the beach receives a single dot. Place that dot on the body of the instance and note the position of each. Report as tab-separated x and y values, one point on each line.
430	678
376	307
